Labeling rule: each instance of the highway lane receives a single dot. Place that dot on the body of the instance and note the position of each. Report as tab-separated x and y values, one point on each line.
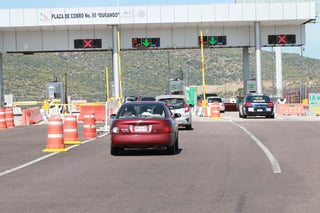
219	168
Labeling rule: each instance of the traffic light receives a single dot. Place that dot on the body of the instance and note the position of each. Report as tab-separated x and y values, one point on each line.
145	42
87	43
282	39
213	40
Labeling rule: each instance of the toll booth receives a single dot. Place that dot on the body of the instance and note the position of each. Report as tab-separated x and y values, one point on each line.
176	87
55	90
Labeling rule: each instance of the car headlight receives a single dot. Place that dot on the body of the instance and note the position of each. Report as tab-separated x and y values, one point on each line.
115	130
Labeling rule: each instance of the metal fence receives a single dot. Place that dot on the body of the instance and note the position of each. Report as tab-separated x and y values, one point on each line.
293	95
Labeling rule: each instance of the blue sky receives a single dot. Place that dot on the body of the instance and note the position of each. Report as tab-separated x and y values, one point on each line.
312	47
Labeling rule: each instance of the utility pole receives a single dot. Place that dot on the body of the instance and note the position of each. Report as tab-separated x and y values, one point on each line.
302	77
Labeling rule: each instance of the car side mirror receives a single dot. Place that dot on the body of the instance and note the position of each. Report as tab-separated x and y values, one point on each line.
113	116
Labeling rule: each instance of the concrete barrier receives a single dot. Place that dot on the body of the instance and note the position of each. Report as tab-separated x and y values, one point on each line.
290	109
31	116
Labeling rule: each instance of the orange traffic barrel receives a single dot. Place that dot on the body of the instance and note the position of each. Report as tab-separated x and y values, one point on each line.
3	124
89	126
55	135
9	118
215	110
70	132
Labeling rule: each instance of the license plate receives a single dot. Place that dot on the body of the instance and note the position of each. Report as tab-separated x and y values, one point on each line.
141	128
259	110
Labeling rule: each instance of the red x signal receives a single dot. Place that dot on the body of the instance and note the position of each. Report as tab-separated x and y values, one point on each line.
281	39
87	43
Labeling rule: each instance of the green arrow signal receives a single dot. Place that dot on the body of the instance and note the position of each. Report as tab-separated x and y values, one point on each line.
146	42
212	41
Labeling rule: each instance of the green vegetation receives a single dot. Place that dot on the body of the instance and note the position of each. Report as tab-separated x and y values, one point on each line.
144	72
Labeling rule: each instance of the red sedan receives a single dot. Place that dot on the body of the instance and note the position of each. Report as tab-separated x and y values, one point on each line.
144	124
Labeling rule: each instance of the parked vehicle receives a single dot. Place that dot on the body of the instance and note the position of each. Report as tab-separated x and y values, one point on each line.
131	98
146	98
178	104
212	99
256	105
144	124
201	96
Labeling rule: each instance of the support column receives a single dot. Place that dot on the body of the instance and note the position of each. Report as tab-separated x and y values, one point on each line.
246	71
115	61
279	71
1	83
258	57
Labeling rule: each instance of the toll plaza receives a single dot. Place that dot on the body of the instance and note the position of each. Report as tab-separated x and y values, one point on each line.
239	25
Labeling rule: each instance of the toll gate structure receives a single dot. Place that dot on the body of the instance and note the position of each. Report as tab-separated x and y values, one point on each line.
238	25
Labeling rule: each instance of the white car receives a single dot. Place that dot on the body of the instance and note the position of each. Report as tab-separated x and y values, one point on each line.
212	99
178	104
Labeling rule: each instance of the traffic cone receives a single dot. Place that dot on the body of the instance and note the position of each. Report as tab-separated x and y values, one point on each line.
89	126
55	135
215	110
3	124
71	130
9	117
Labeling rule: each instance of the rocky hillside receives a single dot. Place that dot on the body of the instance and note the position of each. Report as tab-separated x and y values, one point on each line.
145	72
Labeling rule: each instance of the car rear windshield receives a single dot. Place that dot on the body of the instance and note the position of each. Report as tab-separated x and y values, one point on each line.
211	100
147	99
174	103
142	111
258	99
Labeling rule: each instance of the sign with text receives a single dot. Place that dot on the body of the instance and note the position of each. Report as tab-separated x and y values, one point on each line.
61	16
314	98
251	86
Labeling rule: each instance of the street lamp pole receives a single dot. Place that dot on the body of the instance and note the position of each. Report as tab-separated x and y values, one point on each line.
302	76
188	77
137	66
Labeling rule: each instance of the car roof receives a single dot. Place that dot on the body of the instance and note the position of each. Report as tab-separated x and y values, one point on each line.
256	94
212	97
169	96
143	102
209	93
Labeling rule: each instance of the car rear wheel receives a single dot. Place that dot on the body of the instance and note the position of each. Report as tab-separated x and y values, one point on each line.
177	144
270	116
189	126
173	148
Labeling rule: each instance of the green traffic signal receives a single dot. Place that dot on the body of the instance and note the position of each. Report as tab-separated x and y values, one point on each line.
146	42
212	41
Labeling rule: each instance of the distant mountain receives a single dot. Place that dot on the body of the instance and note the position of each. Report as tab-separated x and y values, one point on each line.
146	72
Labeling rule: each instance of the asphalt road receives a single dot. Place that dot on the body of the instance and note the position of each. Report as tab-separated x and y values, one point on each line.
232	165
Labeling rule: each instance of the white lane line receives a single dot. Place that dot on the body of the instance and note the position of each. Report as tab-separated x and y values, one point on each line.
275	165
44	157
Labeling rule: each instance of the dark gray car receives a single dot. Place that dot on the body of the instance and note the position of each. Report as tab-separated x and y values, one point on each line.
256	105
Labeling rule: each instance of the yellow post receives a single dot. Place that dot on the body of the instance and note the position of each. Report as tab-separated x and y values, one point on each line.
45	105
202	68
119	64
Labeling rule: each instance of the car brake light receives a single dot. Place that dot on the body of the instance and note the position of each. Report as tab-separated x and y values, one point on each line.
248	104
187	107
166	129
270	104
